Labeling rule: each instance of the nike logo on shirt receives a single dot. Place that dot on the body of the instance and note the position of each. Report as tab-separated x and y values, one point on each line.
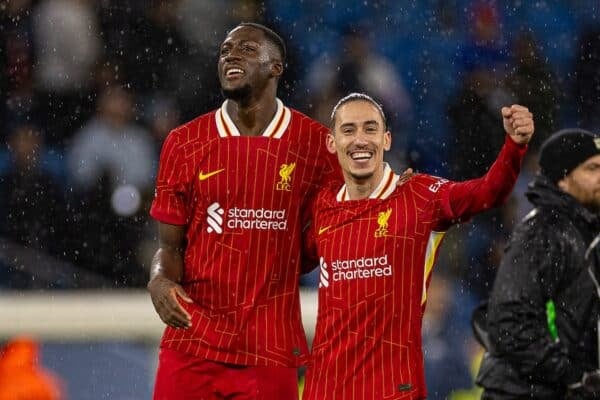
203	176
323	229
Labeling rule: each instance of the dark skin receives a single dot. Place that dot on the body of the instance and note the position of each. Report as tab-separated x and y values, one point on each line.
249	67
246	48
166	274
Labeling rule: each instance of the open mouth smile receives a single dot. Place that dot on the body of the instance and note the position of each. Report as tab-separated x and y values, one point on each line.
361	155
234	72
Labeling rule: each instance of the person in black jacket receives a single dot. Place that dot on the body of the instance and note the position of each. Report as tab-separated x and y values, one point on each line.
541	331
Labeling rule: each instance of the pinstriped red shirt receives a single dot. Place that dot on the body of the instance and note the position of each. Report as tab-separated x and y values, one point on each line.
241	199
376	257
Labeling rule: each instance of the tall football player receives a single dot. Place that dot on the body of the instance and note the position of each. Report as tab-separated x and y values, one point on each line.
233	187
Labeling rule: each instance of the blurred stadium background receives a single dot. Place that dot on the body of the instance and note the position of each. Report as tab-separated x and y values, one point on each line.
90	88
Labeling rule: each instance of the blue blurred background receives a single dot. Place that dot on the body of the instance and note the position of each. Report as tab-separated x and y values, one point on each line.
89	90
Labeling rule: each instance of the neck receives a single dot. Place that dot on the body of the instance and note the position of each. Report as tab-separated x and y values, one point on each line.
359	191
361	188
252	115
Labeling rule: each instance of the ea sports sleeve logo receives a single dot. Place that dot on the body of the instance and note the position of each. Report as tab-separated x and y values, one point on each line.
285	172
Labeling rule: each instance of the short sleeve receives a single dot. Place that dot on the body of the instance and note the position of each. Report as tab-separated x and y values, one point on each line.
171	191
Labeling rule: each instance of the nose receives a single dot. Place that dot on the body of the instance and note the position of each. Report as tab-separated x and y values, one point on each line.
233	54
360	138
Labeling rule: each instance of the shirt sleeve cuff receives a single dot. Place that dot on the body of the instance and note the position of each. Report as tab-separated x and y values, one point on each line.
168	218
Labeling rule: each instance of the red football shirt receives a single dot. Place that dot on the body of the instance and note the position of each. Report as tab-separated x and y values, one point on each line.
376	257
241	199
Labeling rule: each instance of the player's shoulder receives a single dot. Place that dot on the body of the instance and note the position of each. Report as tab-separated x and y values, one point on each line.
197	128
421	178
423	183
307	124
328	192
197	122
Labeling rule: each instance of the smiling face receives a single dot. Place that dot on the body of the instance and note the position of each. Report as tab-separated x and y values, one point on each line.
359	138
248	62
583	183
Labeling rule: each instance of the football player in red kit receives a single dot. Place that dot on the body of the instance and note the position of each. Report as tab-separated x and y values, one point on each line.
377	242
232	192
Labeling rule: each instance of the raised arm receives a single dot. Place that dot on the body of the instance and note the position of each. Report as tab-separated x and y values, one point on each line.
464	199
166	274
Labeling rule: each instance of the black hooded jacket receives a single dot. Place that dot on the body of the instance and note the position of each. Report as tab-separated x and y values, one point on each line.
545	260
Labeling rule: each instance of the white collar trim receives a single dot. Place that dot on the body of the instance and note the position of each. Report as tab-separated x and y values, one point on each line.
386	186
275	129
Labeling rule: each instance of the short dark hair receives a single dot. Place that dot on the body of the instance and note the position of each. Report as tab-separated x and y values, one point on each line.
357	97
271	36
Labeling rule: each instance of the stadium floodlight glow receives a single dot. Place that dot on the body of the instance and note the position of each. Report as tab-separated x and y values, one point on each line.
126	200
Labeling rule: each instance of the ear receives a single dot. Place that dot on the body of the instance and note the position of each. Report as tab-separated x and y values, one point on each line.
330	142
387	141
276	68
563	184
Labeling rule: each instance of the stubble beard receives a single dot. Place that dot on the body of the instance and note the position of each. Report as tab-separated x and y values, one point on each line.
595	206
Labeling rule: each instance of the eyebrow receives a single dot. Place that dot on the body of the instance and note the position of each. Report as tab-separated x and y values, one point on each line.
244	41
369	122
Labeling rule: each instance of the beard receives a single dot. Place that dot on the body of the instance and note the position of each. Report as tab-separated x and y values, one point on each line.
594	205
238	94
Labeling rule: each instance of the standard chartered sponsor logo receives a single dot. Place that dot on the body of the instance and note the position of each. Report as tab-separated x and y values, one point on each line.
245	218
360	268
260	218
324	275
215	218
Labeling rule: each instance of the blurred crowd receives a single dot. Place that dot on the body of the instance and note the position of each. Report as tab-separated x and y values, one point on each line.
89	90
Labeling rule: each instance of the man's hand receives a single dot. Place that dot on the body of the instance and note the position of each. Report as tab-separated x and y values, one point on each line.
406	175
518	123
164	294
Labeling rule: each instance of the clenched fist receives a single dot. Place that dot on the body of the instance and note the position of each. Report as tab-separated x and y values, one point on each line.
518	123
